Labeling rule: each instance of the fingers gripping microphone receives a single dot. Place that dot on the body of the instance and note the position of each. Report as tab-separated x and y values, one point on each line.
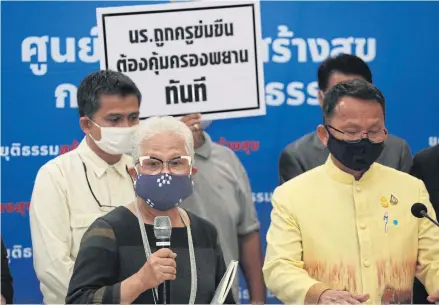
419	210
162	232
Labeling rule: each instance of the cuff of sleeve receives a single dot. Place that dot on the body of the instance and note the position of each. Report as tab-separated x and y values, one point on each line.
111	294
249	229
314	293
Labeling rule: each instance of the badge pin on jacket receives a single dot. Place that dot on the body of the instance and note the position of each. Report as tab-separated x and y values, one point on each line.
386	221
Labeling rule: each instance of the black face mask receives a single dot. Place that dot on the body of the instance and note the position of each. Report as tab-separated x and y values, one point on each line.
356	156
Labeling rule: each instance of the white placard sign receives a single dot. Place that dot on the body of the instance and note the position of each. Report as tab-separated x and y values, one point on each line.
188	57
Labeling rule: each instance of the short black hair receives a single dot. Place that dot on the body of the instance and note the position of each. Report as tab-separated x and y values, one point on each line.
356	88
103	82
345	64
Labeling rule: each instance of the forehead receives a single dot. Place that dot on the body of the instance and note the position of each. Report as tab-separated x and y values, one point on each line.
118	104
356	111
337	77
165	145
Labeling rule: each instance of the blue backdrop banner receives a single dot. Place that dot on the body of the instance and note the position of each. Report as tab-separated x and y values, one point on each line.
48	48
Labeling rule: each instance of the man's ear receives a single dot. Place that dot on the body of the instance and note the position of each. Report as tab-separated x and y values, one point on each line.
387	132
321	96
322	132
194	170
84	123
133	173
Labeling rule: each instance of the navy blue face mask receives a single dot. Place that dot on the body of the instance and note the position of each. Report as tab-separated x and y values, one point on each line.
163	191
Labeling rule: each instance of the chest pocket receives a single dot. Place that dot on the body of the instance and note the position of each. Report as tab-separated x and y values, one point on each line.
79	224
83	220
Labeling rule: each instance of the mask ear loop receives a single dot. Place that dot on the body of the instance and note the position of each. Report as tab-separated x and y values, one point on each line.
190	175
135	180
100	128
94	123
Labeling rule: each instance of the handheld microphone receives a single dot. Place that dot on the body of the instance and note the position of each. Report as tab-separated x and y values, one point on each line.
162	233
419	210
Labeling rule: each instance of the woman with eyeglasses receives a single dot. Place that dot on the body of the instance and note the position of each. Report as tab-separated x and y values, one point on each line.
118	262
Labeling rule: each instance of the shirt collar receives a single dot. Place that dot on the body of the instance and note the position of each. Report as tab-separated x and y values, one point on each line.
337	174
99	166
205	149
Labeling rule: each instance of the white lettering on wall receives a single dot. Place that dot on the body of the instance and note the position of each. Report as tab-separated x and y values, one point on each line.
66	92
19	252
293	94
287	46
262	197
432	141
37	50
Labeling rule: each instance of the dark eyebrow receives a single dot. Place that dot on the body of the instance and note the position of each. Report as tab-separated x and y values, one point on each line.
352	125
134	114
121	114
114	114
153	158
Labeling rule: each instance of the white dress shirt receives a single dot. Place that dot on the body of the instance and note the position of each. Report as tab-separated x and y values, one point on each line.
63	207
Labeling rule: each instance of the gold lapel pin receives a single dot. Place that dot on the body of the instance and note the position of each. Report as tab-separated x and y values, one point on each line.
384	202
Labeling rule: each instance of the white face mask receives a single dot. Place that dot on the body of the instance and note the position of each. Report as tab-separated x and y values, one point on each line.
116	140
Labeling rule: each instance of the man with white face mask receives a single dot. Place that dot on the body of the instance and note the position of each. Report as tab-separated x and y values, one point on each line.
74	189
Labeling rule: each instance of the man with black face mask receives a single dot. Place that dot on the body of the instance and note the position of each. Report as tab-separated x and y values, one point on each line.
308	151
342	232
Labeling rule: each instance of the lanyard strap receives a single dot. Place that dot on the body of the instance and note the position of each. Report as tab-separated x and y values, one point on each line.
147	248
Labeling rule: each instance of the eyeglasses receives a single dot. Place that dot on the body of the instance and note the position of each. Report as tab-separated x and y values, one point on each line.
355	137
180	165
104	208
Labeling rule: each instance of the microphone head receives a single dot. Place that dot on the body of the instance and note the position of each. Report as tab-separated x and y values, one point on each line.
162	227
418	208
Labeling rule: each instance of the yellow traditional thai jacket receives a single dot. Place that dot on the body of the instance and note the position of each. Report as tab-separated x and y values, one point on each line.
329	231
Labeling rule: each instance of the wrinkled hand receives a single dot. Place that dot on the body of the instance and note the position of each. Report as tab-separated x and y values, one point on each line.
342	297
160	267
193	121
433	298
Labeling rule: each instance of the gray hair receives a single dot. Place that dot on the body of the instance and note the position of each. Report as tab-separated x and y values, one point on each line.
158	125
